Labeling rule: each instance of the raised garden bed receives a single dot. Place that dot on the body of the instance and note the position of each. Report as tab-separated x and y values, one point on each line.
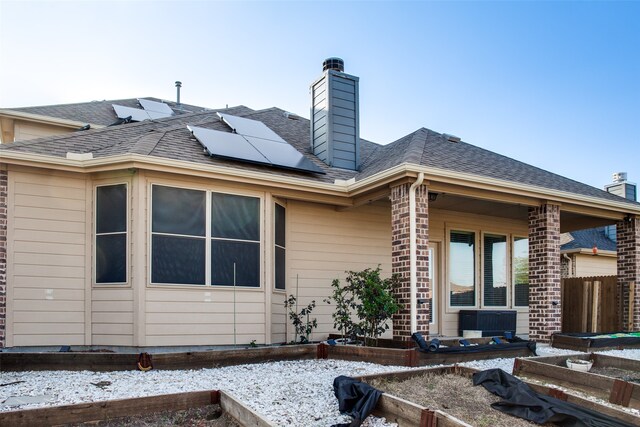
588	342
392	408
613	379
413	357
234	412
105	361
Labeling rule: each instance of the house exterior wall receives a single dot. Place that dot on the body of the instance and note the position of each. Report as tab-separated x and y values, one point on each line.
591	266
47	245
52	298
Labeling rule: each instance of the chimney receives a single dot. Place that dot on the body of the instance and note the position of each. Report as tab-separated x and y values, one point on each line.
623	188
178	86
335	127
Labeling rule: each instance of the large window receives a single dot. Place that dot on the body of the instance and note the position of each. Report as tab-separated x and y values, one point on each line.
111	234
520	273
235	243
280	247
503	276
494	251
182	236
462	276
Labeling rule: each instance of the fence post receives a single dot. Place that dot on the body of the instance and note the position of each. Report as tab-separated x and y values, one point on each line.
586	290
595	307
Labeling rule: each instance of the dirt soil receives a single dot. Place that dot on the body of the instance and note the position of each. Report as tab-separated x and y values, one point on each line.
453	394
203	416
621	374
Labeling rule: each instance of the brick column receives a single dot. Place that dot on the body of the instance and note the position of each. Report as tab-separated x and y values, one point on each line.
628	246
3	256
545	308
400	258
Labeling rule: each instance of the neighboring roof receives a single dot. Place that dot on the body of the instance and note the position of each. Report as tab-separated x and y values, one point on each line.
587	239
98	112
170	138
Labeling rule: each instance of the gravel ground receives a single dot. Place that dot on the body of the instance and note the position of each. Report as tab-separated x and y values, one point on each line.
292	393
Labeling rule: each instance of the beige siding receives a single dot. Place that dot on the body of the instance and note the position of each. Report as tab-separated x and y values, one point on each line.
590	266
47	269
30	130
324	243
112	316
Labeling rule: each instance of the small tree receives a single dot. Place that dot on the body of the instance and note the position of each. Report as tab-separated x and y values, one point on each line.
345	304
370	298
301	322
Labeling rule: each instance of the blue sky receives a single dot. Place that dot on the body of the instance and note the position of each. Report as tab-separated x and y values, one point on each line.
554	84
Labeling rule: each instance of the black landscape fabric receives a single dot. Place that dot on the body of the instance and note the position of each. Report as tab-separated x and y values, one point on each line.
355	399
521	401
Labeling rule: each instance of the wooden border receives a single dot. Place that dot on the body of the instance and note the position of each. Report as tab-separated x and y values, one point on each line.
390	411
552	369
584	344
95	361
138	406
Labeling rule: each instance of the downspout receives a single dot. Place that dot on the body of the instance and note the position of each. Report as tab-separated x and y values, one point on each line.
413	248
569	265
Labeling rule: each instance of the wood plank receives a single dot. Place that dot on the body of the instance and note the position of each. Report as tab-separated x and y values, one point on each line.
96	411
245	416
595	308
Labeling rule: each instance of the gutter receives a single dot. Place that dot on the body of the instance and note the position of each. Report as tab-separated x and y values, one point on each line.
413	248
346	188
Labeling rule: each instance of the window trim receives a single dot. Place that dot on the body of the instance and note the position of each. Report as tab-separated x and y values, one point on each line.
94	237
208	237
507	237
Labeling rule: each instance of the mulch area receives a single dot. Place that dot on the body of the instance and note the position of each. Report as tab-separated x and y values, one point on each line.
203	416
454	394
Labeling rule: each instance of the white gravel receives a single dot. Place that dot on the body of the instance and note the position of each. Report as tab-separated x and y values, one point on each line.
291	393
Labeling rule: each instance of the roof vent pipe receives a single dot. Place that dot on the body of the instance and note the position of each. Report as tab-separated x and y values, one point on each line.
178	86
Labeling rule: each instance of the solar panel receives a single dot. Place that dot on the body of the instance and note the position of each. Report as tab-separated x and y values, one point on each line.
136	114
252	149
283	155
158	107
229	145
249	127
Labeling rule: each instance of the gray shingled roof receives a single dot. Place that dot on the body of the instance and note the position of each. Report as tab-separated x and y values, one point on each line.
169	138
587	239
98	112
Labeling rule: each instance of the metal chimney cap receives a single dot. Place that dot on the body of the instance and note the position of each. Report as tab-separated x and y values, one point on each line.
619	177
336	64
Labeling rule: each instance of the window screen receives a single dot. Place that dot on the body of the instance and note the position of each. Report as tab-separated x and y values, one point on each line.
280	250
178	236
111	234
235	240
495	270
462	278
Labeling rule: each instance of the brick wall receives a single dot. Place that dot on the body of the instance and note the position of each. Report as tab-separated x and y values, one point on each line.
628	245
3	256
544	272
400	258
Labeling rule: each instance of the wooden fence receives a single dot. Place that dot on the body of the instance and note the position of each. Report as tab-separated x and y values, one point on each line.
591	304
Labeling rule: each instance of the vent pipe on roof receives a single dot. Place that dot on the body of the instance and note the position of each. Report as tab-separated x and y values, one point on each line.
335	123
178	86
